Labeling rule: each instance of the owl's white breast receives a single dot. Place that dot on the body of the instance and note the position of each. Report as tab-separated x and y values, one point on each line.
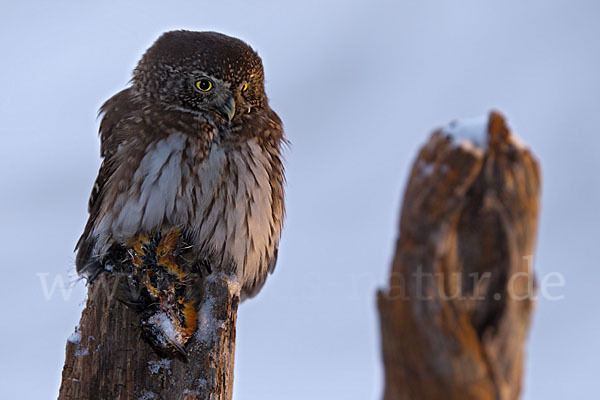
224	201
151	197
240	223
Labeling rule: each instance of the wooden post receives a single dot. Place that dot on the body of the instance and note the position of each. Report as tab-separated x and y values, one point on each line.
455	316
107	359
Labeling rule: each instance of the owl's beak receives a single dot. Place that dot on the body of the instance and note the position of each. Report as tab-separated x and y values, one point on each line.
227	109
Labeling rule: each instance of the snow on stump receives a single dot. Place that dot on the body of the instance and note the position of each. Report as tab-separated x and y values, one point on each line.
107	359
455	316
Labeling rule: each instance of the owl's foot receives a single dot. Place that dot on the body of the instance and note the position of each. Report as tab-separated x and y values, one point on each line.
91	271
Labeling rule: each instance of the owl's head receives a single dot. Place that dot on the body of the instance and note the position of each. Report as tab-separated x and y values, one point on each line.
202	72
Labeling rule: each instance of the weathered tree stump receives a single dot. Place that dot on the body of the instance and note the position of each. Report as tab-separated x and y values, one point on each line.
107	359
455	317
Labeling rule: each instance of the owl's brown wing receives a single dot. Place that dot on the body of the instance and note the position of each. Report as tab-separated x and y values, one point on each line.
270	130
114	111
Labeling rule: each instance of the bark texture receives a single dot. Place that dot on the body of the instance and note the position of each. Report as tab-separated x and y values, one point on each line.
107	359
455	316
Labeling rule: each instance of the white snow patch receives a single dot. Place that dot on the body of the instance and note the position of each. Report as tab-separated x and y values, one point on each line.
207	322
202	383
147	395
166	325
425	169
517	142
155	366
470	147
75	336
469	133
81	352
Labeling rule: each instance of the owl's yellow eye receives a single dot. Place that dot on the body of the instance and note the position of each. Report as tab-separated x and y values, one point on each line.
245	87
204	85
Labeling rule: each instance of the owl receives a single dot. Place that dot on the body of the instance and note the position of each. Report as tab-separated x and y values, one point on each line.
191	182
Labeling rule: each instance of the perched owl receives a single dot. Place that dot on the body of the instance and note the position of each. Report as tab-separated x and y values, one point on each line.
191	181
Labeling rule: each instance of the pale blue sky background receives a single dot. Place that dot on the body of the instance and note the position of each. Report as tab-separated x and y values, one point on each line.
359	86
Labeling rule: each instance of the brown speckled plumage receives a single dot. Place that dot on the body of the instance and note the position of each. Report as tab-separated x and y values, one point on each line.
177	157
